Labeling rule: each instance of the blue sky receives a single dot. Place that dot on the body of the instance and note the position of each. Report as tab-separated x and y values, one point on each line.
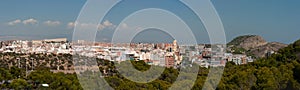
275	20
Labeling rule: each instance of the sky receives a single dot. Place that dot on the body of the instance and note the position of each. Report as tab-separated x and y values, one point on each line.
275	20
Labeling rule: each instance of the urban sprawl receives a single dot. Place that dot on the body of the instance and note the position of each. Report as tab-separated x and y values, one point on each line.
160	54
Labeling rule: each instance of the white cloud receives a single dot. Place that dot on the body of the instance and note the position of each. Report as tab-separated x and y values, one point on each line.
52	23
105	25
30	21
81	25
125	26
71	24
18	21
14	22
101	27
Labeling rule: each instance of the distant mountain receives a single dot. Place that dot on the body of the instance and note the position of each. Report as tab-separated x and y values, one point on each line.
247	42
253	45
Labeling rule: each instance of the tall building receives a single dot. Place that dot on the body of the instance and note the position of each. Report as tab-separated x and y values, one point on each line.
169	61
176	52
175	46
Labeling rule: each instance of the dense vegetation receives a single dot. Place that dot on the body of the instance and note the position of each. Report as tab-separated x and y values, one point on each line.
280	71
34	61
59	81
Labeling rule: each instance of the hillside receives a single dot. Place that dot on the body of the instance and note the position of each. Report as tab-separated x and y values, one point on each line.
260	51
253	45
292	49
247	42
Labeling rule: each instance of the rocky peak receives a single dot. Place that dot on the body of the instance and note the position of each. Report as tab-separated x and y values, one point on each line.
255	45
248	42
